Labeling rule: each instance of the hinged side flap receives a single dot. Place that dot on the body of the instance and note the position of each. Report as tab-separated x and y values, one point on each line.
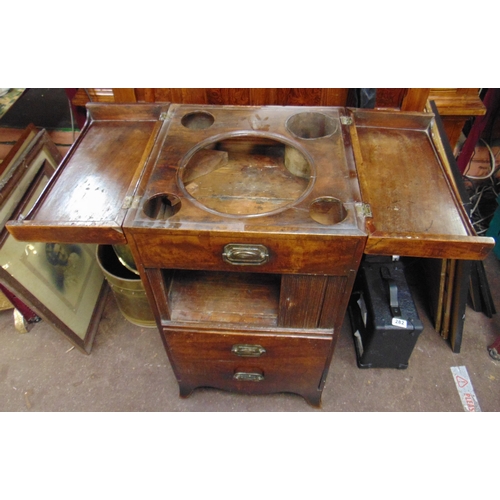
415	208
88	197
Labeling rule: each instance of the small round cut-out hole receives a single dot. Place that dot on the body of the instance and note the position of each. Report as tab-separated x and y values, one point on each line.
199	120
311	125
162	206
327	211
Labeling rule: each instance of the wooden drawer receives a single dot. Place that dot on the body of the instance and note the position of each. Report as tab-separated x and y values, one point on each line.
250	362
310	254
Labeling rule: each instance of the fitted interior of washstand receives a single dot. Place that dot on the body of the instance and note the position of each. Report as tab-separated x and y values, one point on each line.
223	297
246	175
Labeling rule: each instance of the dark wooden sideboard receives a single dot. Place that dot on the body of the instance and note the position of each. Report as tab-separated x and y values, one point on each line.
455	105
248	224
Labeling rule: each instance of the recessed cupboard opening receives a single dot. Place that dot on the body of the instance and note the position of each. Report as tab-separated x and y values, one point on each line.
223	297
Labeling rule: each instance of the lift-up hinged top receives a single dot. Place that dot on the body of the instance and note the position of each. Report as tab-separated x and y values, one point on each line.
409	203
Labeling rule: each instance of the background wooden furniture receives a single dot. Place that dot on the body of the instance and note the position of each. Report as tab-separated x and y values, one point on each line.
480	126
455	105
402	99
282	97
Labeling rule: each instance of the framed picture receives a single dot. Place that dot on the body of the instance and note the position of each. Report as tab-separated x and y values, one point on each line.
62	283
7	299
10	163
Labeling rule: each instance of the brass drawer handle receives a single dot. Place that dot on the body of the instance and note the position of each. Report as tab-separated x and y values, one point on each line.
249	377
248	350
245	255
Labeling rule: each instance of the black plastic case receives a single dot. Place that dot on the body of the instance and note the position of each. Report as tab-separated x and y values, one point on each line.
384	319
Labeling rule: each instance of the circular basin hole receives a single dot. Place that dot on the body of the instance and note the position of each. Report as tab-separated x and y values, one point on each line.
246	175
162	206
327	211
310	125
198	120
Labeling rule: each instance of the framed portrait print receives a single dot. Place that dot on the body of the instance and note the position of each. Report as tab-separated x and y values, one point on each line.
62	283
